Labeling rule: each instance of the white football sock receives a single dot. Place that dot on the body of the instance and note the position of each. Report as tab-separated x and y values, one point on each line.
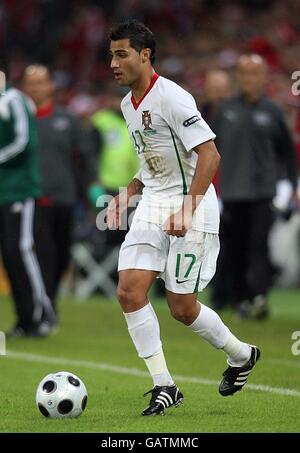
144	330
238	353
157	367
209	326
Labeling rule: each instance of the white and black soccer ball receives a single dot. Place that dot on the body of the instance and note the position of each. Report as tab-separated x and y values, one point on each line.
61	395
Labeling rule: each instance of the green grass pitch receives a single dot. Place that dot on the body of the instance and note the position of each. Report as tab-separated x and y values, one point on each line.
93	343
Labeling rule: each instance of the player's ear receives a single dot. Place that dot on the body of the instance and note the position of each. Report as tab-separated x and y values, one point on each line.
146	54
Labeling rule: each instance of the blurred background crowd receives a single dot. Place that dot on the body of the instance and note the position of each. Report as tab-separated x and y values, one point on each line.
194	36
199	43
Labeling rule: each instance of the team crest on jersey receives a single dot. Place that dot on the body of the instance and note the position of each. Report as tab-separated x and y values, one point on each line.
147	123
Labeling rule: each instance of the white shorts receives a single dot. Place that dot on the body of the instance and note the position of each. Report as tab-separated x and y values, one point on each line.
185	264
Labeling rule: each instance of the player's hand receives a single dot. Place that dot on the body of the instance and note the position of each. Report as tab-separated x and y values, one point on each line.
178	224
114	212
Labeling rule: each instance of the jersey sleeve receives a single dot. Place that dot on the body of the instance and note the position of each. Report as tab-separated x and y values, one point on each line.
181	113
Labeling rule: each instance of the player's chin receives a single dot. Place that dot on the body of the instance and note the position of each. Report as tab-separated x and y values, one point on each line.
121	81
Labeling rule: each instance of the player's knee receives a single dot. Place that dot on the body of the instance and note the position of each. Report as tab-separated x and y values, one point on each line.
129	298
184	308
122	294
183	315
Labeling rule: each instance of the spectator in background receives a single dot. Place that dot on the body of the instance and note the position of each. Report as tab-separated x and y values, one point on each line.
60	137
117	159
20	186
217	88
252	137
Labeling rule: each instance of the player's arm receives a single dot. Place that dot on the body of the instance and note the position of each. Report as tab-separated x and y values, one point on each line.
119	203
182	116
207	164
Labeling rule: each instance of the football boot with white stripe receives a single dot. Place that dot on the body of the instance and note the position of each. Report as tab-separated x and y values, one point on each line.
162	398
236	377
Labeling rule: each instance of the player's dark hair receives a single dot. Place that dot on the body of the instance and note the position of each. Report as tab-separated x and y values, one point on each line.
140	37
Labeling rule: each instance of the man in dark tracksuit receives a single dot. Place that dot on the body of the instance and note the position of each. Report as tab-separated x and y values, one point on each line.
20	186
253	139
60	136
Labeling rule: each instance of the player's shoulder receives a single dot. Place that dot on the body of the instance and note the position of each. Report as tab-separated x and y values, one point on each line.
169	88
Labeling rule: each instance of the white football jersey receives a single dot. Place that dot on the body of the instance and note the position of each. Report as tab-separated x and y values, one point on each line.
165	126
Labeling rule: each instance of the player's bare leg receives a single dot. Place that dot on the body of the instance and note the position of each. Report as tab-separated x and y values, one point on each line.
206	323
144	330
133	288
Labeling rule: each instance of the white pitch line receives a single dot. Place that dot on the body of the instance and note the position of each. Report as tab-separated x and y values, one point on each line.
135	372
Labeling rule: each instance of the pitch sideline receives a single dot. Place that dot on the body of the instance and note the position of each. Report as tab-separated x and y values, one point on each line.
135	372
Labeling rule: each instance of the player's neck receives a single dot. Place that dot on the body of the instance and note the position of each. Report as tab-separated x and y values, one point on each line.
140	86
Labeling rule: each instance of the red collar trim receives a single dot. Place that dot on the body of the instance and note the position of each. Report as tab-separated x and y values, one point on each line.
137	104
45	111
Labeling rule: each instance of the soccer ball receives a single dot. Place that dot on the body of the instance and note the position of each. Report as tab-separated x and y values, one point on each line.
61	395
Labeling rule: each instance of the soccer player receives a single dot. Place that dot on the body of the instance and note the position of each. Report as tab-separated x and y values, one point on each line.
174	233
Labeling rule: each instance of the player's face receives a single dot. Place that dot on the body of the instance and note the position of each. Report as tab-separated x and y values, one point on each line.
126	62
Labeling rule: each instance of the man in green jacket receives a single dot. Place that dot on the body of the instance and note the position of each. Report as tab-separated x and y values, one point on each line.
19	188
